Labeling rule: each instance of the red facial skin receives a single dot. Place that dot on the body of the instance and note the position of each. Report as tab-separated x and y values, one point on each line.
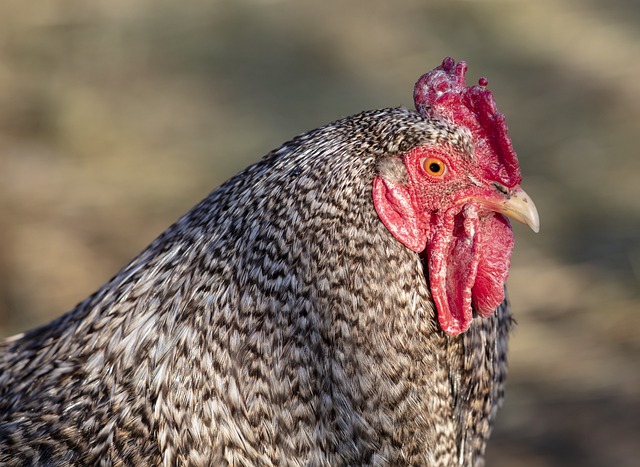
444	218
450	219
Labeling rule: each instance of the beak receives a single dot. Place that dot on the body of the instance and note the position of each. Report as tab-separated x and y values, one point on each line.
514	203
519	206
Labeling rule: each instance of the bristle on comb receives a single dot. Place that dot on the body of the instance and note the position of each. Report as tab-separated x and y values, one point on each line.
442	93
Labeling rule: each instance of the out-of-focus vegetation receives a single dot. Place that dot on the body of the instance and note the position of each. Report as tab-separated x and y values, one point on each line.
116	116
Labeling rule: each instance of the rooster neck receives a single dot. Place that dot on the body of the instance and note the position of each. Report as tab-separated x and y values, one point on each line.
358	360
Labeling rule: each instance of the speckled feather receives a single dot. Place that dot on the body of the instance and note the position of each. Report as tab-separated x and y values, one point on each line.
277	323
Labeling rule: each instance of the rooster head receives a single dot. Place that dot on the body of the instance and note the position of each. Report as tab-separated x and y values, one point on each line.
447	200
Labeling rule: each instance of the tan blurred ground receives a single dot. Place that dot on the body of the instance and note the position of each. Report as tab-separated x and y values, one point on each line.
117	116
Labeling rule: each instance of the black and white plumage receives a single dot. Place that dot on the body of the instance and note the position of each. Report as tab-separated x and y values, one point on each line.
276	323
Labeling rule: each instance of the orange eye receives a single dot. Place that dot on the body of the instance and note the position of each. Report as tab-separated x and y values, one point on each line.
434	167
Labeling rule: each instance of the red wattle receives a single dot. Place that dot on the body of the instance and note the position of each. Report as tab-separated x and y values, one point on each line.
468	259
495	244
452	255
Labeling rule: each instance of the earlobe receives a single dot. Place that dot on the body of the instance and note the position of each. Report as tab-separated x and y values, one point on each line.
397	213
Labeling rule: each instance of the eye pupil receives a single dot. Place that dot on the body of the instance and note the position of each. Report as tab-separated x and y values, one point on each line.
435	167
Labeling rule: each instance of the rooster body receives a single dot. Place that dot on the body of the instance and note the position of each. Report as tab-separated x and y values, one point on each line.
276	323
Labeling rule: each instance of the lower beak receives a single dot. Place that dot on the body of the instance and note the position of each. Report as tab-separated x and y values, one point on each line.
519	206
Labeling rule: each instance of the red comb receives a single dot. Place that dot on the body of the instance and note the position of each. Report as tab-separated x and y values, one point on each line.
443	93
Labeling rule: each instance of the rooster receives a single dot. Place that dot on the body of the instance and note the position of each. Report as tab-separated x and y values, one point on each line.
340	302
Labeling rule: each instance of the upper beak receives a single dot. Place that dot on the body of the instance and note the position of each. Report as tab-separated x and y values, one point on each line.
519	206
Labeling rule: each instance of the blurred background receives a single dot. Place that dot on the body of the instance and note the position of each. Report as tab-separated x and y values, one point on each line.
116	116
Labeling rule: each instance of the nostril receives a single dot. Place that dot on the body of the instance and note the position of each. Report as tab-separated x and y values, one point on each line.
501	188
